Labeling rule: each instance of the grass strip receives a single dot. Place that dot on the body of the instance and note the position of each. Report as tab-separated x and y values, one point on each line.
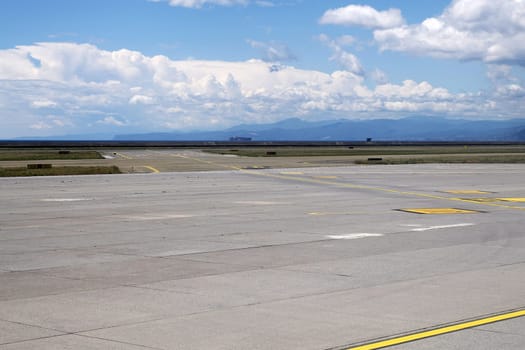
363	151
55	171
449	159
47	155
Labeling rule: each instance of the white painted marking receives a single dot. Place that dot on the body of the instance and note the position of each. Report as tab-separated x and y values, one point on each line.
66	199
440	227
355	236
106	156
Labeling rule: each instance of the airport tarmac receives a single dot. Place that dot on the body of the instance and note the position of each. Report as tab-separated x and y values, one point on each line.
313	258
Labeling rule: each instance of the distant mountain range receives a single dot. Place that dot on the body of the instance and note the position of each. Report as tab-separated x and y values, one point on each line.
407	129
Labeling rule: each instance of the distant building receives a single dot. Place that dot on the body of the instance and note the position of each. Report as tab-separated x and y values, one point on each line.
239	138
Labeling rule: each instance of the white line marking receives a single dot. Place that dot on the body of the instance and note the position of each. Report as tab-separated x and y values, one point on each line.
440	227
355	236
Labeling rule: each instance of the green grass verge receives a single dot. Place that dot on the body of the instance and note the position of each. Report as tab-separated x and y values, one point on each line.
363	151
67	170
16	154
486	159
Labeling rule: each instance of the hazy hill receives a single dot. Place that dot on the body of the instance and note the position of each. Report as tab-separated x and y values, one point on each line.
407	129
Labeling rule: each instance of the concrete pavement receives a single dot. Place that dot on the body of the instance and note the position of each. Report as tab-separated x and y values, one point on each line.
314	258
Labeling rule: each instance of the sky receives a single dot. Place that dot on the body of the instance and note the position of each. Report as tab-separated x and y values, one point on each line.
93	67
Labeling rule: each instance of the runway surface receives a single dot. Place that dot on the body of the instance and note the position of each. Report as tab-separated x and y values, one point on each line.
313	258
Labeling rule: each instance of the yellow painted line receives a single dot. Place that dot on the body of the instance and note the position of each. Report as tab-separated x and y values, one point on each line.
325	177
151	168
467	192
483	200
519	200
440	331
381	189
439	211
292	173
123	155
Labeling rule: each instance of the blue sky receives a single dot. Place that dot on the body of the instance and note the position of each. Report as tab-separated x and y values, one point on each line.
118	66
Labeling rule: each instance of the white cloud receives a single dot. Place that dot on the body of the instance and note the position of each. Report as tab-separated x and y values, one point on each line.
111	121
379	76
141	99
40	125
485	30
197	4
505	83
363	16
347	60
60	122
497	73
412	89
273	51
345	40
264	3
93	90
201	3
43	104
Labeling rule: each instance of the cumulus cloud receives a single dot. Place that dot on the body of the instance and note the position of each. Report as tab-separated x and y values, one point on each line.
485	30
92	90
363	16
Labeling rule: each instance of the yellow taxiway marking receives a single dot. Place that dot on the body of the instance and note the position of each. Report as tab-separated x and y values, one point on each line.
440	331
482	200
381	189
325	177
123	155
353	186
292	173
467	192
519	200
439	211
154	170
